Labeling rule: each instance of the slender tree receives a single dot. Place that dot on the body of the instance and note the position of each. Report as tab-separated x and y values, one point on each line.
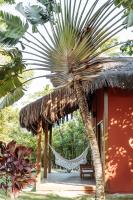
69	46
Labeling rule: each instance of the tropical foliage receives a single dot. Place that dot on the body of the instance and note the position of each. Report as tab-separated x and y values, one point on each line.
69	138
47	89
127	48
128	5
10	83
7	1
15	167
10	128
13	29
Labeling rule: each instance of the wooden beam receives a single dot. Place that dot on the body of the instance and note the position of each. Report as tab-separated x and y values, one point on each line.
45	150
38	153
105	132
50	153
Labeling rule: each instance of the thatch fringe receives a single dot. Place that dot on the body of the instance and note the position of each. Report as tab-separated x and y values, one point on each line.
49	108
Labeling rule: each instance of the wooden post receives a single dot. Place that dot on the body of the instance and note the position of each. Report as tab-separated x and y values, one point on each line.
45	150
38	157
105	132
50	156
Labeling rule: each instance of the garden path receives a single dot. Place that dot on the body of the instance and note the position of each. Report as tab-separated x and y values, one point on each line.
66	184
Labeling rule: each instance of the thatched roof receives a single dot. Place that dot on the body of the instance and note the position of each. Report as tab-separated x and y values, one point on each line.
61	102
49	108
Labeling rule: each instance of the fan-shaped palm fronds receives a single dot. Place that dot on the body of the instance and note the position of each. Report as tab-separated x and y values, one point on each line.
76	38
70	43
72	40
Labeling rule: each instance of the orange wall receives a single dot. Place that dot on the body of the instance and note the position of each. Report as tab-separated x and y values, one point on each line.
119	156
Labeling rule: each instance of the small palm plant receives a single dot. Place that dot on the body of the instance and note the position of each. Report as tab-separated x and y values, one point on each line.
67	43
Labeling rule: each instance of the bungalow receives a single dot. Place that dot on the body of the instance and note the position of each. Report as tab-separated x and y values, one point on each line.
110	100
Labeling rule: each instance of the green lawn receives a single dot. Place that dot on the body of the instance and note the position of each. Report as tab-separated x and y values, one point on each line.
34	196
50	197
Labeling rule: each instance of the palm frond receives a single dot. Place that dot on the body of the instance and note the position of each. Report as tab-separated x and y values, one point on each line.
76	45
130	18
74	37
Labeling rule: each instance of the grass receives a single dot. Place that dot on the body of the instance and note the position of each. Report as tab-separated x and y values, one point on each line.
50	197
34	196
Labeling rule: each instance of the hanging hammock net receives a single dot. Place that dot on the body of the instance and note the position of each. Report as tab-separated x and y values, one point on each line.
70	164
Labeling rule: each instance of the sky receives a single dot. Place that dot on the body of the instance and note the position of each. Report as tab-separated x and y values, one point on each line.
38	84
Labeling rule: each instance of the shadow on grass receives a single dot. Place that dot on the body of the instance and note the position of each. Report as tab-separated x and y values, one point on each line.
32	196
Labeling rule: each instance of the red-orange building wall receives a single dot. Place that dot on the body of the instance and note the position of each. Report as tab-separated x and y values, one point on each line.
119	147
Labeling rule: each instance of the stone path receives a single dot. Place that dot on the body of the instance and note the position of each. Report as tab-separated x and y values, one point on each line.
66	184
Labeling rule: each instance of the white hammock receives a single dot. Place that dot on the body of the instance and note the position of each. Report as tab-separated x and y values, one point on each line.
70	164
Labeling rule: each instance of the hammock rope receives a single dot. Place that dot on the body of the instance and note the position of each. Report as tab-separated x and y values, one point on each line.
70	164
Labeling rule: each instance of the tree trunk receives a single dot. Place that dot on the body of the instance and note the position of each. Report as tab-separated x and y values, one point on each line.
45	151
38	155
83	106
50	152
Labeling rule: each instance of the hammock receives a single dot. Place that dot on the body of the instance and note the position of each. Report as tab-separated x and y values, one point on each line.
70	164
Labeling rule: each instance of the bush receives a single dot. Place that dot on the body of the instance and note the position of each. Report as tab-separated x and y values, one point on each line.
15	167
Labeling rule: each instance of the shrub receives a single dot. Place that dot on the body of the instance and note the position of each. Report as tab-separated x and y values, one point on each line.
15	167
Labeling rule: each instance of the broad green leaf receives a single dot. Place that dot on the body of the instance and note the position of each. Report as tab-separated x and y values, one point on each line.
11	28
9	84
11	97
34	14
46	2
130	19
51	5
128	4
7	1
9	73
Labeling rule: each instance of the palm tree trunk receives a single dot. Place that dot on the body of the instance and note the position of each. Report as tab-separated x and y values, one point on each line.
83	106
